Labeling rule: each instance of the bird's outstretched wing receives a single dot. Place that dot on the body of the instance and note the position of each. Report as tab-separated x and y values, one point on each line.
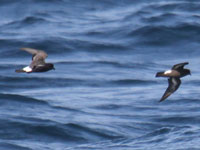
38	56
179	66
174	84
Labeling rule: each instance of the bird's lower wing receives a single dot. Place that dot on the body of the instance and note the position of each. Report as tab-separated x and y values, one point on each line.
173	85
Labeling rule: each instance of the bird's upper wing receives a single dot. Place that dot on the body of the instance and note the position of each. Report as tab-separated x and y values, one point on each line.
179	66
38	56
174	84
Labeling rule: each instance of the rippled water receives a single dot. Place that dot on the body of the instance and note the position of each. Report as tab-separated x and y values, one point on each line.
103	93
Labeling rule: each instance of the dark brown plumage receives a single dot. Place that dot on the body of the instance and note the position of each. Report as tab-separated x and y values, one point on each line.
38	62
178	71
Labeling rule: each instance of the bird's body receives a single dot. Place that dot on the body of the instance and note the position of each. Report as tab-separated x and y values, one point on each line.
168	73
38	62
178	71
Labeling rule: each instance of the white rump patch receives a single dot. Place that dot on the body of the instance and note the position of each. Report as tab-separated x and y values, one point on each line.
168	72
27	69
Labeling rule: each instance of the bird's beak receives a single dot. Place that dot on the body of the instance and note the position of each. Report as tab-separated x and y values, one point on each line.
54	68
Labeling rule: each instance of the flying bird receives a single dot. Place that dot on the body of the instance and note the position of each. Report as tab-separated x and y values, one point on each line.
178	71
38	62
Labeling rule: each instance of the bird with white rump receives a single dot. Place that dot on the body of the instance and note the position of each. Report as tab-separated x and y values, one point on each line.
178	71
38	63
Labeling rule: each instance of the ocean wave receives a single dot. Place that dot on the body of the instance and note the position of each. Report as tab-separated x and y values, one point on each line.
133	82
166	35
7	145
34	82
116	64
109	107
53	131
103	93
24	22
186	120
5	98
32	20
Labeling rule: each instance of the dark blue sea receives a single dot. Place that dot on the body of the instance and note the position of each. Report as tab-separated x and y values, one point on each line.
103	94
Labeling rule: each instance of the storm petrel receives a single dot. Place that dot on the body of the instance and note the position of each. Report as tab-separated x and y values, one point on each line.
38	62
178	71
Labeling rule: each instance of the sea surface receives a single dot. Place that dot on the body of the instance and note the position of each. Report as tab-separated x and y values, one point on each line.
103	94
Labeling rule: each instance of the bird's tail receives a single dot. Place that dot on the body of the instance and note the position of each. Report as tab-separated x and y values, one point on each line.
20	71
160	74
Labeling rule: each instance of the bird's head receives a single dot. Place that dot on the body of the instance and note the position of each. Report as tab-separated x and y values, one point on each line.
187	72
50	66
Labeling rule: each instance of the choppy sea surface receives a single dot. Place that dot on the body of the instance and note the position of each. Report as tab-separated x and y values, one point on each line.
103	94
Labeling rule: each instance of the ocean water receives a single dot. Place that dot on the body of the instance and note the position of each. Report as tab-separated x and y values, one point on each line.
103	94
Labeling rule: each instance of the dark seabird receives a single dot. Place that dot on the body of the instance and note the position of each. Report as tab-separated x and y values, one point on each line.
178	71
38	62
